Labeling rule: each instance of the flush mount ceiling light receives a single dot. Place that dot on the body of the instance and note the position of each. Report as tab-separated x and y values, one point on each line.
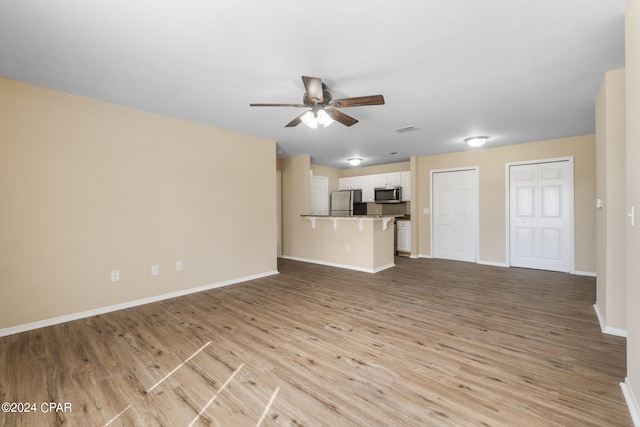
476	141
354	161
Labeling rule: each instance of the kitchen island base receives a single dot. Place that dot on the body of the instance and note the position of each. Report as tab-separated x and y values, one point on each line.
357	243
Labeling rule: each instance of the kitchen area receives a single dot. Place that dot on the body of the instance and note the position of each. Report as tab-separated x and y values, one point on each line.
363	225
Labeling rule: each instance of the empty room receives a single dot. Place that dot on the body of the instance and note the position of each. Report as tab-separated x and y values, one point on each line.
360	213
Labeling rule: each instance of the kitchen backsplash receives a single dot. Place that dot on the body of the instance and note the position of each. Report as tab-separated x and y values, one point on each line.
403	208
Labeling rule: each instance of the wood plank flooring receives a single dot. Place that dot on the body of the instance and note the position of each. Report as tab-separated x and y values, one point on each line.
427	343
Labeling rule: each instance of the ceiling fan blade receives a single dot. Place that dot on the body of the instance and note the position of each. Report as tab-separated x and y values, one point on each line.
360	101
313	85
341	117
277	105
296	121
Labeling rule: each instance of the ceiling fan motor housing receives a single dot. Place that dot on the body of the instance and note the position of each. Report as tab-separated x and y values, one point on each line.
311	103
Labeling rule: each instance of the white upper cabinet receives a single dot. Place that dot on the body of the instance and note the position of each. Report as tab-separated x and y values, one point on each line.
380	180
388	179
394	179
367	183
405	182
345	183
367	188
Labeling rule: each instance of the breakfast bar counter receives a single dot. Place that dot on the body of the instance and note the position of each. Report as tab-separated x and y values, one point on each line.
359	242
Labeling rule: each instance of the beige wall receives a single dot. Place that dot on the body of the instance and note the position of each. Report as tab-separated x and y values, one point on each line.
611	189
632	60
333	174
373	170
88	187
296	196
492	221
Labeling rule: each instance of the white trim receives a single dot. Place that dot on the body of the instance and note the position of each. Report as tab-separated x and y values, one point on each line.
345	266
608	329
494	264
334	220
571	206
102	310
424	256
477	210
632	402
599	316
585	273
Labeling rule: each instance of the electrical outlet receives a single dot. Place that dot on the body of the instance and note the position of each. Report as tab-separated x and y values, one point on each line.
155	270
178	265
115	276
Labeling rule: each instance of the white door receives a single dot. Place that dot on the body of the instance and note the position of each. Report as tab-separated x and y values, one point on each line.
455	206
319	195
540	206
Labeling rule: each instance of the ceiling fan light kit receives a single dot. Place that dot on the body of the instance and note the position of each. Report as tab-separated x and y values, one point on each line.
314	118
323	108
476	141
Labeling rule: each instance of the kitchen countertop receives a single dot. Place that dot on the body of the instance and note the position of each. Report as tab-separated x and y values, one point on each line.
352	216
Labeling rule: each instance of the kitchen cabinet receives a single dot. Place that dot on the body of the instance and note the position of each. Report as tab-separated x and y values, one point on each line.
367	188
403	239
367	183
364	183
350	183
405	182
387	179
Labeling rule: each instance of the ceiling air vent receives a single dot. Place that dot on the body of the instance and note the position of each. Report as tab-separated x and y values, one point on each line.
405	129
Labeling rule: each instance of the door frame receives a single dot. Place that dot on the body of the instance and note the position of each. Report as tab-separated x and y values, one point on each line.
572	267
278	214
476	217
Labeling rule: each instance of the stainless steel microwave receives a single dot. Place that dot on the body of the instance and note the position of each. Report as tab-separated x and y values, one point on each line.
388	195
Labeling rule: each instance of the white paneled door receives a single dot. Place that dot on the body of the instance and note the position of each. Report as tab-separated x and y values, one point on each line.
319	195
455	206
540	210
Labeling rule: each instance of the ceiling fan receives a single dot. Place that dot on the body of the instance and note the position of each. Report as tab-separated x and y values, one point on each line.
323	107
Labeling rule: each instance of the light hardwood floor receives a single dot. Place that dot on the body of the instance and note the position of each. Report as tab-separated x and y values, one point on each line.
427	343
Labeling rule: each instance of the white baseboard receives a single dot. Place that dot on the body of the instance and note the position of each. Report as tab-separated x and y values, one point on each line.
424	256
585	273
102	310
494	264
632	402
608	329
334	264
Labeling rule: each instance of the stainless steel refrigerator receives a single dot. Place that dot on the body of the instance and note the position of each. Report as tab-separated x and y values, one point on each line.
342	202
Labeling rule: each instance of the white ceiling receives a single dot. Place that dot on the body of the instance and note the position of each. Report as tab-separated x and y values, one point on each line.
516	70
